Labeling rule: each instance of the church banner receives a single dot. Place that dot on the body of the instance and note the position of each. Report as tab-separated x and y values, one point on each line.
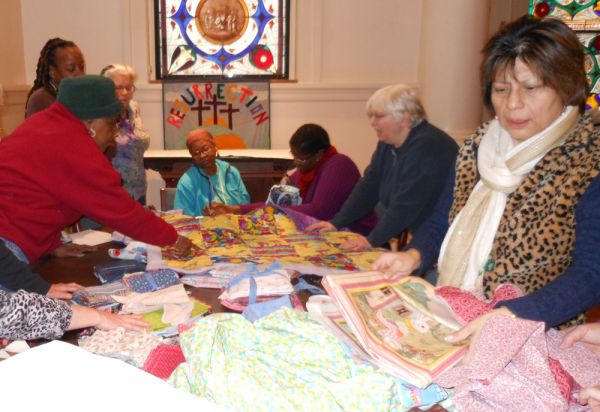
236	113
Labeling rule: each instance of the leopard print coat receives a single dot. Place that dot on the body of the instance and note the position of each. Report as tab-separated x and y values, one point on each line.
536	234
26	315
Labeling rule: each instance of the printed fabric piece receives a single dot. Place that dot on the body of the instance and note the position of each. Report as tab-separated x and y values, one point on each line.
142	282
511	369
282	362
163	360
266	236
100	297
129	346
133	251
468	306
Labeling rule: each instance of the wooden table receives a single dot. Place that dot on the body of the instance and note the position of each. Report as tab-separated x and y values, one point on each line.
260	169
81	270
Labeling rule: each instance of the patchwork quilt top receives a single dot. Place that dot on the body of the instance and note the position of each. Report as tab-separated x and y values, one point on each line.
262	237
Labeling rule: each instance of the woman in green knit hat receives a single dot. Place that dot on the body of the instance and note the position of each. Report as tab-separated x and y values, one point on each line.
54	172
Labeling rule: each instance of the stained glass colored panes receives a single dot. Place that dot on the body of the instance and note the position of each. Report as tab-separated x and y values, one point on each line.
583	17
579	14
226	38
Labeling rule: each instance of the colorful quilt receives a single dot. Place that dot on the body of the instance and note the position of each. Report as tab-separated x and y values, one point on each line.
262	237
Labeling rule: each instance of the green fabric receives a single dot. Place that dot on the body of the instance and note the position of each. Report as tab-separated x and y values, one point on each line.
155	317
283	362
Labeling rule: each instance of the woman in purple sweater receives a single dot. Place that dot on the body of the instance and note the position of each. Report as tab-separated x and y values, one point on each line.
324	177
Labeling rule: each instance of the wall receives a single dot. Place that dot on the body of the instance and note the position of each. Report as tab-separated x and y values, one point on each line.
344	51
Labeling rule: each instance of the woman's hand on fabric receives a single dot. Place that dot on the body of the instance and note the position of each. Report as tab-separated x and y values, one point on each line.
320	227
108	321
356	244
217	208
591	397
62	290
72	250
473	329
183	246
398	263
588	334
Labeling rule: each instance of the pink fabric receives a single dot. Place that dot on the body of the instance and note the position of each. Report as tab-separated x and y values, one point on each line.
466	306
163	360
509	369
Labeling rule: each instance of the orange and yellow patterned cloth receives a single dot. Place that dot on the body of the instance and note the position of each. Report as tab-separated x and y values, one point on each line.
262	237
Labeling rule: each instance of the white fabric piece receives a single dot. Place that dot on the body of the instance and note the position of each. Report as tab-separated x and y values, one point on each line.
502	166
66	378
147	302
176	313
130	346
278	283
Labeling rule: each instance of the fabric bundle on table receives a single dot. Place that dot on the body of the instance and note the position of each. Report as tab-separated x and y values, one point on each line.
129	346
283	362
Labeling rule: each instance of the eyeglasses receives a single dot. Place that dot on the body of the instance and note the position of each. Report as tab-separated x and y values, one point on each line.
304	159
129	88
202	151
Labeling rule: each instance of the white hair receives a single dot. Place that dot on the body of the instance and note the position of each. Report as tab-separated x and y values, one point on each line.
119	69
397	100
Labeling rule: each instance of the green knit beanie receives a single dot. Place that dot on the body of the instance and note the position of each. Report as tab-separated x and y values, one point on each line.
89	97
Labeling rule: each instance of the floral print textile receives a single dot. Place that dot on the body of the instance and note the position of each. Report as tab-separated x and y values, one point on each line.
285	361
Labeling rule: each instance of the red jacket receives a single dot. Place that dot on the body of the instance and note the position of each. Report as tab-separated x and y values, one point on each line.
51	174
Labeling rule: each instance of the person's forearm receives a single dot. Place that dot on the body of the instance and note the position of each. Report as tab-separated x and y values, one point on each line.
83	317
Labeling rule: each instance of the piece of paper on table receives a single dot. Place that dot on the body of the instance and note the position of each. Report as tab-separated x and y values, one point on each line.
13	348
66	377
90	237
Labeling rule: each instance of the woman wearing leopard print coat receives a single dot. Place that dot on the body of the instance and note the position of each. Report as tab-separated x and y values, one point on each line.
25	315
523	204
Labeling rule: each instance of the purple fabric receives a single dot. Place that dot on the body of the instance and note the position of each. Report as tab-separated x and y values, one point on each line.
328	192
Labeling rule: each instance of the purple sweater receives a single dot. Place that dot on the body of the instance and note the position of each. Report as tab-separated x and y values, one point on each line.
332	185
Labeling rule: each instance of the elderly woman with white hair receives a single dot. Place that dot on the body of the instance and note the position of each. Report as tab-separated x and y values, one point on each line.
406	174
133	139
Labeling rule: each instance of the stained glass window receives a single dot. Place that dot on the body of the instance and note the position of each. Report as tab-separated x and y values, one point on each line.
583	17
224	38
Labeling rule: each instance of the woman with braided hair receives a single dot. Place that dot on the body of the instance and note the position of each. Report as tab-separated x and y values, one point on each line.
58	59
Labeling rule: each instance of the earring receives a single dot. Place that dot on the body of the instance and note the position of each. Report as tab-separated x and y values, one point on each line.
53	86
92	132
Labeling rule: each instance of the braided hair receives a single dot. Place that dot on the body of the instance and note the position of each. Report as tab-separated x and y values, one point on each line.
47	58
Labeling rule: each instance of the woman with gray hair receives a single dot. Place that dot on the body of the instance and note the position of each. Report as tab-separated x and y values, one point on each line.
406	174
133	138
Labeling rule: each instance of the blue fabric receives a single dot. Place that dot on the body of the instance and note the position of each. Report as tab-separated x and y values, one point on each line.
255	311
196	189
575	291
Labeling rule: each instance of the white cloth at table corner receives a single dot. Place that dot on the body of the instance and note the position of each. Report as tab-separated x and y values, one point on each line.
176	304
274	284
55	366
130	346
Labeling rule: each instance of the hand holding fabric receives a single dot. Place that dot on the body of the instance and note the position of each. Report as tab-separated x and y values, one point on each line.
217	208
62	290
398	263
183	246
72	250
320	227
473	328
588	334
88	317
357	244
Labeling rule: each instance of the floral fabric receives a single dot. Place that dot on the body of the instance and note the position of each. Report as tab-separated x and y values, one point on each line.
283	362
132	141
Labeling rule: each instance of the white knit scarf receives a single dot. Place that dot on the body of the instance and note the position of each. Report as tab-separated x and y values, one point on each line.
502	166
